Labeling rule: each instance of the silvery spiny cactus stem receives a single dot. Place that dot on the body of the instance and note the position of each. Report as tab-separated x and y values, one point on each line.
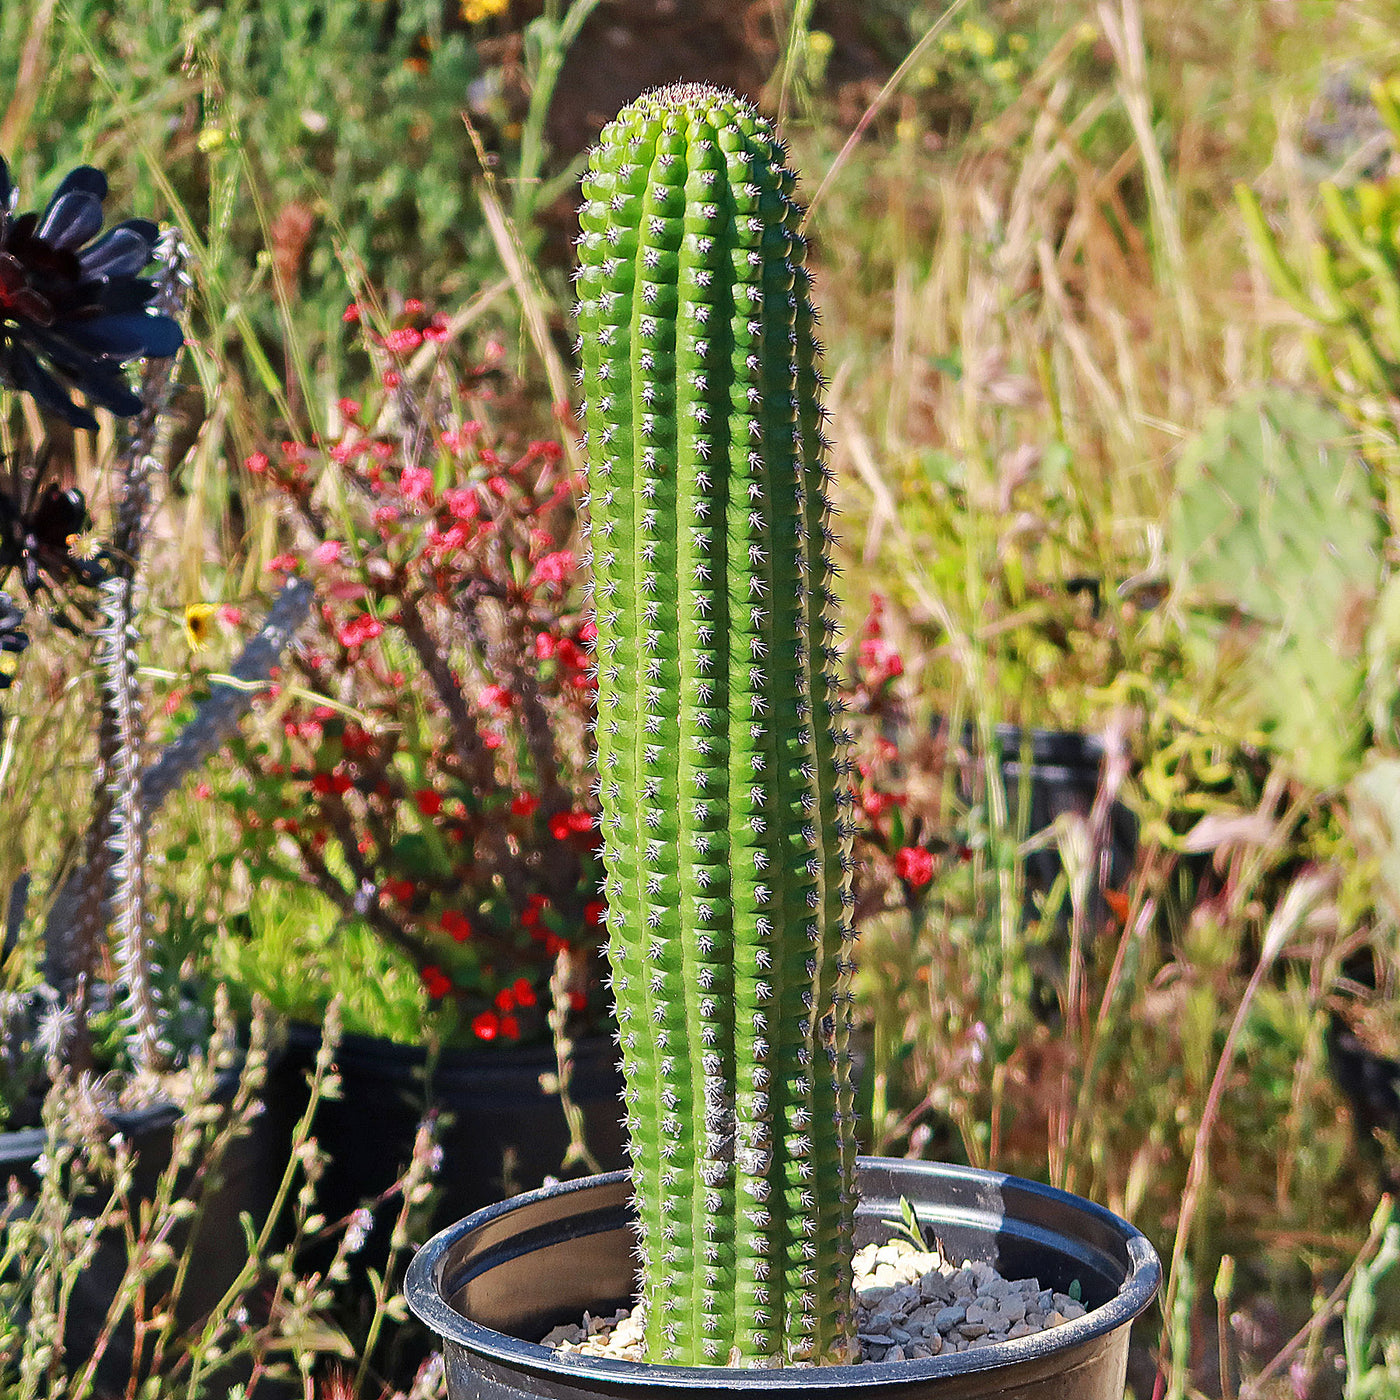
721	767
119	823
121	698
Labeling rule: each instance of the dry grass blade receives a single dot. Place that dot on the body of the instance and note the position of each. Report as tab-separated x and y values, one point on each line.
527	290
1304	896
33	72
881	98
1123	29
430	352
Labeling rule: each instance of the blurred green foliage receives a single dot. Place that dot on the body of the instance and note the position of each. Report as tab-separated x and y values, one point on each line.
1275	535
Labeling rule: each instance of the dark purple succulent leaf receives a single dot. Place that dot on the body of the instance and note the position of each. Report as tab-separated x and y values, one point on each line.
33	306
32	378
72	309
87	178
125	294
121	252
11	274
7	186
71	220
111	392
131	335
56	269
59	512
106	387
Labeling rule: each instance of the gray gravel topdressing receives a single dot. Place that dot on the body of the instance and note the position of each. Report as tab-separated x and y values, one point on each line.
910	1303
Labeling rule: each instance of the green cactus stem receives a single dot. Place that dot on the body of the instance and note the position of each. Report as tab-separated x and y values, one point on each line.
721	767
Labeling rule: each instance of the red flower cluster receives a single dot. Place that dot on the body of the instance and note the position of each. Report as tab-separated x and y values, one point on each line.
914	864
878	662
562	825
898	788
359	630
445	777
455	925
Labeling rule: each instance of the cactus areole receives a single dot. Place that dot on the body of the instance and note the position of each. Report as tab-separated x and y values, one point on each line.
721	769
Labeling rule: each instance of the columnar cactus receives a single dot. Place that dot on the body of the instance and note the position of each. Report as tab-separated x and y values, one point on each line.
721	772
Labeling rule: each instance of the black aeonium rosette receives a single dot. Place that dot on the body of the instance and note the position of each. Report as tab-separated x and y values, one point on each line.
44	535
73	312
13	639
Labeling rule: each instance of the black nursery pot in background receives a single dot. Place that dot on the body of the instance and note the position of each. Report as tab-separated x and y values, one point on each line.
1060	772
248	1175
492	1284
499	1130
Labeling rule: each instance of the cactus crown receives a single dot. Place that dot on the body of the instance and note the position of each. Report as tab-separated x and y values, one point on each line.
720	767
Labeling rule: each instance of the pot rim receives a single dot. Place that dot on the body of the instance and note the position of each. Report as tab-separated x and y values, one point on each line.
425	1296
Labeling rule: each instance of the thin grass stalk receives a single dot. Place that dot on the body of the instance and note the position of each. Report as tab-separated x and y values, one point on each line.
1324	1313
1104	1030
578	1152
1092	877
1224	1284
794	52
504	652
533	302
232	1124
323	1082
35	1231
207	278
473	756
1123	29
417	1185
34	67
892	85
1303	896
560	36
150	1225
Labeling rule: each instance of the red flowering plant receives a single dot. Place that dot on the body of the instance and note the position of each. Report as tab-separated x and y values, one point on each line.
901	839
423	760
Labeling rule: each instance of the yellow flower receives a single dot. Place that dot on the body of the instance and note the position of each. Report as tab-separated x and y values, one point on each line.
1002	71
820	46
479	11
1017	43
199	623
979	39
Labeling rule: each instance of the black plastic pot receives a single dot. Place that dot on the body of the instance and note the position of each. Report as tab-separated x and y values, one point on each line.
500	1131
1060	772
491	1284
250	1171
